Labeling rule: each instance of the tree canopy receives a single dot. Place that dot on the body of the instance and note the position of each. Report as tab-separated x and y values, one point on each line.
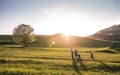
23	34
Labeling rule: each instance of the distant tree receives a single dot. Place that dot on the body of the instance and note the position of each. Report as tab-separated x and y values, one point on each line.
23	34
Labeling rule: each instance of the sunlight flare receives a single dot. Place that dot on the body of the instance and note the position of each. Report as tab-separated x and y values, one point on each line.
70	22
66	38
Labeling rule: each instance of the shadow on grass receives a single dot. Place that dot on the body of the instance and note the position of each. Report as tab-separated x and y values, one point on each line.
78	66
105	67
82	64
117	49
109	51
115	61
4	61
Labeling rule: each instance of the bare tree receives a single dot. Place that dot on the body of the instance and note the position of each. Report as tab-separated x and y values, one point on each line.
23	34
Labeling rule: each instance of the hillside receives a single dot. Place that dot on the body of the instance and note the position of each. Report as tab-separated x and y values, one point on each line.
5	37
112	33
6	40
73	41
60	40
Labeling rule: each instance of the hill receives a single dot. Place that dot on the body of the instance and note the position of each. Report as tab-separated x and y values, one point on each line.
112	33
73	41
5	37
61	40
6	40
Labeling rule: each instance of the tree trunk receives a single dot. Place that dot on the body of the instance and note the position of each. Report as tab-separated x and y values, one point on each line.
25	44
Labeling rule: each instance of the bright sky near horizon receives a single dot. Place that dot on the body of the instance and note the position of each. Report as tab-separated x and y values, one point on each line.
74	17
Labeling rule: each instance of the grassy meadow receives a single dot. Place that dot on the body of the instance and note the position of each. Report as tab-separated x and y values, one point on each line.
57	61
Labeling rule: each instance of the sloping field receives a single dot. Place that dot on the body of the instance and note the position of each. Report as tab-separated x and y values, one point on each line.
57	61
60	40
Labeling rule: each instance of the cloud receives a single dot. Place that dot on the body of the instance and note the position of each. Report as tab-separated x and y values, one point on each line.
53	10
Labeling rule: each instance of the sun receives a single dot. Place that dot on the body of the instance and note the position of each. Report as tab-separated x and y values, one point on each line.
68	22
63	22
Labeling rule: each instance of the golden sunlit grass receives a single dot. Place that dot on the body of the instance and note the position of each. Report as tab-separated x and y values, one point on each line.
57	61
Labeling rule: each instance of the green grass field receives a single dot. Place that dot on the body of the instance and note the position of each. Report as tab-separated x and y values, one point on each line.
57	61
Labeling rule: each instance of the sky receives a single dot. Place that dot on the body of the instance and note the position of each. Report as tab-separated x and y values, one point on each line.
48	17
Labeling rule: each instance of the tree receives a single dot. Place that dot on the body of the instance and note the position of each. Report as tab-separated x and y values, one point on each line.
23	34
